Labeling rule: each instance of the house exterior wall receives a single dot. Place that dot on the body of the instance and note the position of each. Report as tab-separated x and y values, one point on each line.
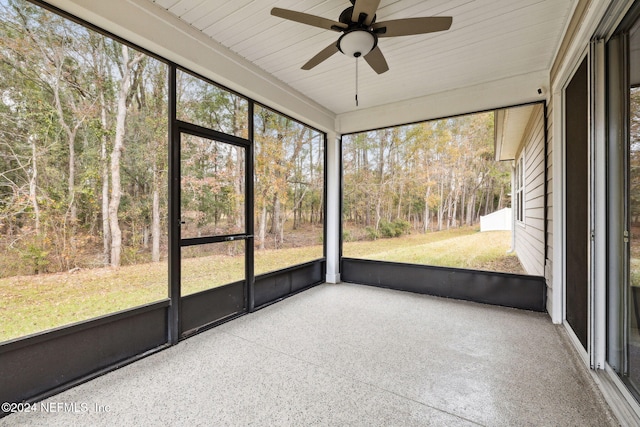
570	52
530	233
554	252
575	40
593	22
548	271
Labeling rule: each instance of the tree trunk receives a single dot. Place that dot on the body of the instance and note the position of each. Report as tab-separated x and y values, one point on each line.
427	212
449	209
283	219
380	177
106	231
454	220
70	133
263	226
239	212
116	155
116	194
73	215
33	185
378	209
275	220
470	209
312	180
296	209
400	194
365	168
441	207
155	221
145	235
463	204
488	199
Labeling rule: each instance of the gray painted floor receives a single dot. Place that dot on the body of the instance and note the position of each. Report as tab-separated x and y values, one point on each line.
350	355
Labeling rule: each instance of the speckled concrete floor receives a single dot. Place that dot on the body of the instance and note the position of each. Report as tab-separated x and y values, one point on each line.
349	355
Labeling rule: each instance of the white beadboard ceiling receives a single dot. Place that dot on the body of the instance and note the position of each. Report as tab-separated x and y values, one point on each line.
489	40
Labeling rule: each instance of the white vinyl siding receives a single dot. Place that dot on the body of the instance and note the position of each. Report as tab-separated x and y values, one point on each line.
519	189
549	260
529	237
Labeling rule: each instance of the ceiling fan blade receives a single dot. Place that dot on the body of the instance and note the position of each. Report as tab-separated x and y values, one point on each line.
368	7
376	60
412	26
323	55
305	18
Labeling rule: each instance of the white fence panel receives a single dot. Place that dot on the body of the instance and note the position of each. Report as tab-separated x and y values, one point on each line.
497	221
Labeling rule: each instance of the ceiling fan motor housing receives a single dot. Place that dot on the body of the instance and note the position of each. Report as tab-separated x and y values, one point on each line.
346	17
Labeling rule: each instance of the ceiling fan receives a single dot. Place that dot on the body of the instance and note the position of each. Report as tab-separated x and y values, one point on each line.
361	31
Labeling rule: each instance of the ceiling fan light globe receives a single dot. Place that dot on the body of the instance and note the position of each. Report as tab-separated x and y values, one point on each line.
357	43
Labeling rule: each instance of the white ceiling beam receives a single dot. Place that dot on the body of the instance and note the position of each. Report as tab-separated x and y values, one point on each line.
505	92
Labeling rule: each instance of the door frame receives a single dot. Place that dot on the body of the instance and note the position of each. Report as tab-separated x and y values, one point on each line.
202	300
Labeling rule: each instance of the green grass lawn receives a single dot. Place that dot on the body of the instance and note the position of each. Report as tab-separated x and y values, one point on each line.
30	304
462	248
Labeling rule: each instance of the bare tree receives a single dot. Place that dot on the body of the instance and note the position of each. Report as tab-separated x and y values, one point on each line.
126	68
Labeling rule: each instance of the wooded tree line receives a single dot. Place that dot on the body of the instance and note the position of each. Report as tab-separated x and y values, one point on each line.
83	145
428	176
288	169
84	152
289	184
288	178
212	172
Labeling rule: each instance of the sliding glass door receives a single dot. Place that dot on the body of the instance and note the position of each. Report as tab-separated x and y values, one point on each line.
623	99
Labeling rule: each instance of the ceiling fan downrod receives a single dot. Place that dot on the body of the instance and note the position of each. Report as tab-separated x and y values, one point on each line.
357	81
